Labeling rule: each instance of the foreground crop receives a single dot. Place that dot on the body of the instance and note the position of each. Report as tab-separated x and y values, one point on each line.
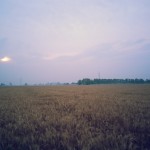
75	117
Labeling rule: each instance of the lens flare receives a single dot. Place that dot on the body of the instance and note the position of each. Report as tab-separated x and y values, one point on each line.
5	59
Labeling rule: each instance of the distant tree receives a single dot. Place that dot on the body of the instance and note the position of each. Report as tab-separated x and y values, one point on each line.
87	81
147	81
26	84
10	84
79	82
2	84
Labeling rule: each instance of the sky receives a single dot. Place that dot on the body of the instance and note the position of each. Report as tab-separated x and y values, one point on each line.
45	41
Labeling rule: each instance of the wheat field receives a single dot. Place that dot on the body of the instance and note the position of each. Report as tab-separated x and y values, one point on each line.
98	117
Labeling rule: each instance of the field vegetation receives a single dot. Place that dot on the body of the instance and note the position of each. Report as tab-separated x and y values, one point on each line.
75	117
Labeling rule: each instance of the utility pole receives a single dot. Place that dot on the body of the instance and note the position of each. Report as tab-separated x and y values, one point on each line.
99	75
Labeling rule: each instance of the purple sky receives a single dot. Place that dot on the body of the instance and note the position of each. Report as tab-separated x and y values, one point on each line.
67	40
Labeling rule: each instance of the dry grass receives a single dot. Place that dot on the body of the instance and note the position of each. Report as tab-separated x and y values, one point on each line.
75	117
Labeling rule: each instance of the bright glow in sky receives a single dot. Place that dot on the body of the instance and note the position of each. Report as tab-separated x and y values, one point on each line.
67	40
5	59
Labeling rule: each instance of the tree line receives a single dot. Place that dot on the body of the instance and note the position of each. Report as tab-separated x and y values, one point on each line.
87	81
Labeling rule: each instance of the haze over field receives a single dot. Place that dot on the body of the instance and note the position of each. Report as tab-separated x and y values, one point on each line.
67	40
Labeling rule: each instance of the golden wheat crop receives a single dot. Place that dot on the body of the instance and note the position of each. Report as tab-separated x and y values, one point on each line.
75	117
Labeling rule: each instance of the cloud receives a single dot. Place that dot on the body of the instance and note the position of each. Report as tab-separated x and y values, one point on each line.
115	50
3	42
58	56
145	47
89	35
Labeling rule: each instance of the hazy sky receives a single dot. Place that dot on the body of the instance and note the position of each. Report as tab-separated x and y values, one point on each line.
66	40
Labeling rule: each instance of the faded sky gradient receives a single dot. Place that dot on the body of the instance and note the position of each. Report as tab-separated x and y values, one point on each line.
67	40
